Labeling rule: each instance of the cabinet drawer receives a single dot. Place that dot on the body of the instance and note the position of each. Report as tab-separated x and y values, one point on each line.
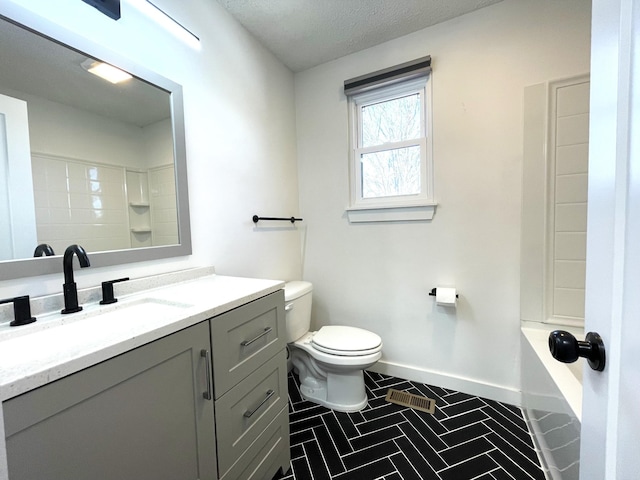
267	454
245	338
246	410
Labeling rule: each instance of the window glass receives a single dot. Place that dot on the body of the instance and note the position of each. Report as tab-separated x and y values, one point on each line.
390	160
391	121
391	172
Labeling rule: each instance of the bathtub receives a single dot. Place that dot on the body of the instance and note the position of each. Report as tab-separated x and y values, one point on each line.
552	401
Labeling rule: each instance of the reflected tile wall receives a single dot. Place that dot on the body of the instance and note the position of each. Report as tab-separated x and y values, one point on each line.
163	205
77	202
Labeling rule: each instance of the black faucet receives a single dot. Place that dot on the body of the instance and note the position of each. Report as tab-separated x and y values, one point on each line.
69	287
43	249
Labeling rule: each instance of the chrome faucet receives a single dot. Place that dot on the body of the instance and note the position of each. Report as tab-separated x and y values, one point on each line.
69	287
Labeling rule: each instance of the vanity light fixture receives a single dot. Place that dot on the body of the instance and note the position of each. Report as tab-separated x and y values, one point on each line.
165	20
105	71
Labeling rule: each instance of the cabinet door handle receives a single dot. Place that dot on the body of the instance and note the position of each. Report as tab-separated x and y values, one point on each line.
246	343
207	364
249	413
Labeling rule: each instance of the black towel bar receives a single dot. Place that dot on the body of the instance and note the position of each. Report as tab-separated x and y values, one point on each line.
256	218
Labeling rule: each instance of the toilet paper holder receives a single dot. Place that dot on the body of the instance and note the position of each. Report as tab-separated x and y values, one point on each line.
433	292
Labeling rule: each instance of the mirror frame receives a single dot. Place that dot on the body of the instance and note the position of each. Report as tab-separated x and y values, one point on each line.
31	267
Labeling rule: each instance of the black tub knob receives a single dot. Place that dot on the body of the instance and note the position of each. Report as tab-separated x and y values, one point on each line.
565	348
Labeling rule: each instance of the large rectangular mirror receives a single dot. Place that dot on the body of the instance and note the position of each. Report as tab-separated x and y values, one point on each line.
84	160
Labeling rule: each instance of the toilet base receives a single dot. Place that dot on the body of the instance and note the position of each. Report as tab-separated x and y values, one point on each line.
319	397
343	392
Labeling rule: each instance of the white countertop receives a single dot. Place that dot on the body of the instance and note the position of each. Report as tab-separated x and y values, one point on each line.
58	345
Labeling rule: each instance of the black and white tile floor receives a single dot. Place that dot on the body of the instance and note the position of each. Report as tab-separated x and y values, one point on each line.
468	438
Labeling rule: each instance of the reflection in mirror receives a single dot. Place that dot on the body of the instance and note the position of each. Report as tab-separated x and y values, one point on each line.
84	160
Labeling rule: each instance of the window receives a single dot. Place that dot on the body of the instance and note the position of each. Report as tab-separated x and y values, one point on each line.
390	158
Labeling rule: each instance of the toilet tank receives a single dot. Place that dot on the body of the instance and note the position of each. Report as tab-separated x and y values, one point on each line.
297	301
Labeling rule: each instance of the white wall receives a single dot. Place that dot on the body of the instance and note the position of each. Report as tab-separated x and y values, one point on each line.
62	130
69	132
378	276
158	141
240	134
65	131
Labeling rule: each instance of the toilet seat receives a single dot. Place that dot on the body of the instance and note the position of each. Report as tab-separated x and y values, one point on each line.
305	343
346	341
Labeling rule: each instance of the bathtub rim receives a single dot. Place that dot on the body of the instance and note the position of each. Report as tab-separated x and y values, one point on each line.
537	334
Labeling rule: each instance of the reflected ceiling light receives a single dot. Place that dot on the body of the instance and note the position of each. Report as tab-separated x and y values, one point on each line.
106	71
167	22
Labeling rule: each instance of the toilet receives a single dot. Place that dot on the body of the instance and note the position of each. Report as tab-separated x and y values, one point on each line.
329	362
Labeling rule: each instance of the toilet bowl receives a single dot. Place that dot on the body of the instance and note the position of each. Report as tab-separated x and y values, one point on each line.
330	361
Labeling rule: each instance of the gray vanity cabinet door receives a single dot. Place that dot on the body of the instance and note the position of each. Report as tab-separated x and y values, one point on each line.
141	415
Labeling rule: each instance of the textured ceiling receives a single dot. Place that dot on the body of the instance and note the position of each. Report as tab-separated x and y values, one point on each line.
306	33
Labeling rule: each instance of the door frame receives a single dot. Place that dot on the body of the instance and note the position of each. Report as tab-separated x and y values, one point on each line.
15	173
611	416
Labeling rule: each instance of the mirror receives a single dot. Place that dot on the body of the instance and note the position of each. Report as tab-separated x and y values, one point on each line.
86	161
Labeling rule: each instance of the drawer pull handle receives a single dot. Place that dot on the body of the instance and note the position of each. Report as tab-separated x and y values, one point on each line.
207	364
249	413
246	343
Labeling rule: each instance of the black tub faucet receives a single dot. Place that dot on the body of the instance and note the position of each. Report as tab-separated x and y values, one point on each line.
43	249
69	287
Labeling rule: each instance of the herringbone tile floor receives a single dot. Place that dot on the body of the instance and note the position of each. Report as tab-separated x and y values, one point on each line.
467	438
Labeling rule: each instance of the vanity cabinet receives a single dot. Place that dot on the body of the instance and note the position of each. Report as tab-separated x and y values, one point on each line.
250	385
139	415
205	403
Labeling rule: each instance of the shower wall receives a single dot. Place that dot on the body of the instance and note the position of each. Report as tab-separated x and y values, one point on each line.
554	201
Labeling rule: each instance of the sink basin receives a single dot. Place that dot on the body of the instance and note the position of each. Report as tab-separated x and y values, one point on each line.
122	311
138	309
149	302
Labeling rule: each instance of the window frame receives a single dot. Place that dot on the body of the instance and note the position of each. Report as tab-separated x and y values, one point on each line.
420	206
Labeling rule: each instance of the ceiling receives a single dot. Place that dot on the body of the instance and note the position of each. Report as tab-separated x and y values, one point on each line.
35	65
306	33
301	33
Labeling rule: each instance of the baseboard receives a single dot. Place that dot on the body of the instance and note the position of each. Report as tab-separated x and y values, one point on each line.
460	384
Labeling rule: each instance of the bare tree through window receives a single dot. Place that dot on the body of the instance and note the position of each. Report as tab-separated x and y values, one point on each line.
394	170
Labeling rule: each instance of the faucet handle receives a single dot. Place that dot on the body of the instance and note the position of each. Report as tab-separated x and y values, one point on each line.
107	291
21	310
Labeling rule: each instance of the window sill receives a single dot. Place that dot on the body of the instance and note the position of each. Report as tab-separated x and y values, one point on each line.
413	213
